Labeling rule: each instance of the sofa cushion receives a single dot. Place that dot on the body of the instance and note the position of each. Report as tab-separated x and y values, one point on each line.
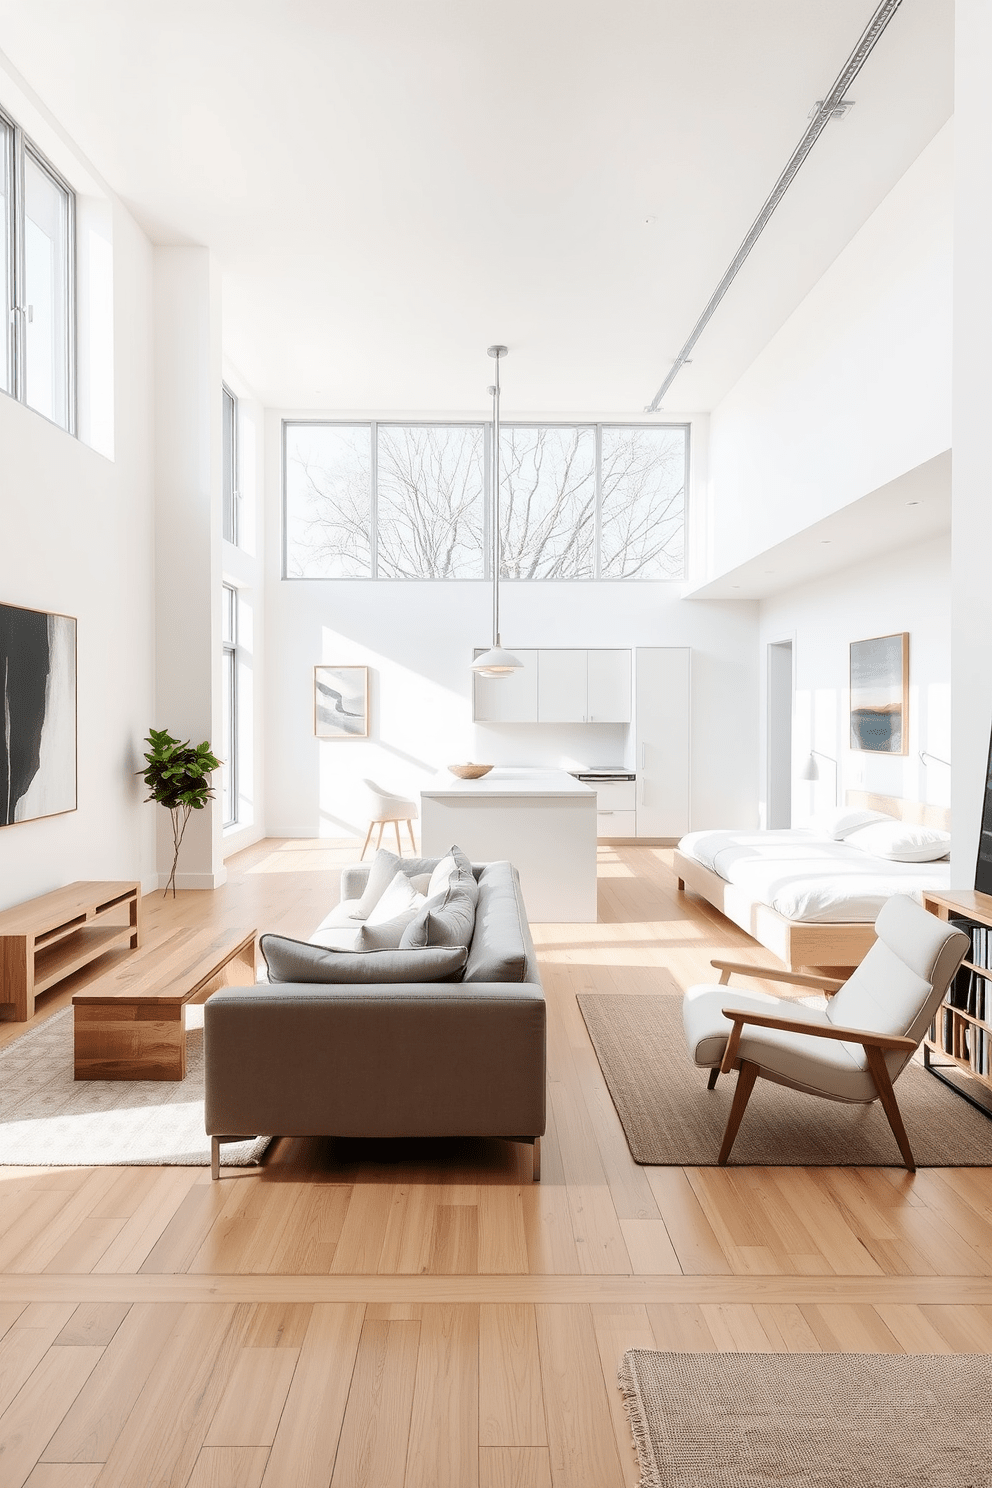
386	868
501	949
446	920
300	961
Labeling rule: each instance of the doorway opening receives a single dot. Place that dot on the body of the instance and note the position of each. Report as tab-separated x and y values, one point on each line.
780	708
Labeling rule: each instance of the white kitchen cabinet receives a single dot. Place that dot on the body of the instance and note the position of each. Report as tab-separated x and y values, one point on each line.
662	741
616	808
608	675
562	686
578	686
511	699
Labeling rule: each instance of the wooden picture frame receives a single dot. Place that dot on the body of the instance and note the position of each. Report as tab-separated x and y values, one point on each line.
880	694
341	702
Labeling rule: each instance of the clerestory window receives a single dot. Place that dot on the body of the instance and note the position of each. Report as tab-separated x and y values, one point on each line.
384	500
37	265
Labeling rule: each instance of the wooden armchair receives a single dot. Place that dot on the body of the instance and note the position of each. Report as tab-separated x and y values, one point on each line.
852	1050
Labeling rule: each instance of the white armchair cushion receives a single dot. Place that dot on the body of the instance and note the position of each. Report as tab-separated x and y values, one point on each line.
818	1065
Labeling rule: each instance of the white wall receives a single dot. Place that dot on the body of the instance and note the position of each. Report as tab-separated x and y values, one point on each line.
243	567
971	496
909	590
77	537
854	390
188	534
418	639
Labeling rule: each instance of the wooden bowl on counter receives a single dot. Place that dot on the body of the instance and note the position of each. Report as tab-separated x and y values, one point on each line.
470	771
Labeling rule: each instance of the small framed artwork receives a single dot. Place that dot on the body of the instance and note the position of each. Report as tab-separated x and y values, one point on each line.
880	694
38	719
341	702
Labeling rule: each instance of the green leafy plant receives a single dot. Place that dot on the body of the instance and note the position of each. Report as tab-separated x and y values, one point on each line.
176	777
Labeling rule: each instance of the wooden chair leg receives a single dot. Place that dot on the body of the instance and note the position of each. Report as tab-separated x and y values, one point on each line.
413	840
399	845
714	1076
745	1084
378	840
880	1074
368	838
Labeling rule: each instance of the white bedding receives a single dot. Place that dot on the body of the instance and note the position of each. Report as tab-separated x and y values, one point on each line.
810	878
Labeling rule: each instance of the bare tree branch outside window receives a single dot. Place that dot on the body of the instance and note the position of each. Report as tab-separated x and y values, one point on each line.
431	501
328	501
643	496
548	502
431	491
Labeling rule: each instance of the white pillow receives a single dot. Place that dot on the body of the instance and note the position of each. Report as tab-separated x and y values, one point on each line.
441	877
840	821
399	898
902	843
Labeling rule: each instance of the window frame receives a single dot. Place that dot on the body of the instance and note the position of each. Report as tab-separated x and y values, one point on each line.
229	658
231	499
19	147
597	425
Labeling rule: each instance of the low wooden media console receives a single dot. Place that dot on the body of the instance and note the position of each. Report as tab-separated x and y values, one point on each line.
47	939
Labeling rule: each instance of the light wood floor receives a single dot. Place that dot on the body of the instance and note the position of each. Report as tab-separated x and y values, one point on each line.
421	1314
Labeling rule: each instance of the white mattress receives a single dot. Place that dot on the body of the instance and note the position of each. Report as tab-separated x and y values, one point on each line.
810	878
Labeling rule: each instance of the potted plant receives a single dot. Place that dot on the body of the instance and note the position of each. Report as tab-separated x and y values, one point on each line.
176	777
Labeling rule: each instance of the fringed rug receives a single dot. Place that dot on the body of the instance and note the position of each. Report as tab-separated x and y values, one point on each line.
48	1119
670	1118
809	1420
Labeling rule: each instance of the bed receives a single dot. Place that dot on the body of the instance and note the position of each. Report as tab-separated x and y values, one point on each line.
806	897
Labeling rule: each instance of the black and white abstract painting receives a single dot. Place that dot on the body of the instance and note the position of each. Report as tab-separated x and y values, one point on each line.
38	720
341	702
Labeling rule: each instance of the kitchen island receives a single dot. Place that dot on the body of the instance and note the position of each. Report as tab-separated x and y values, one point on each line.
543	821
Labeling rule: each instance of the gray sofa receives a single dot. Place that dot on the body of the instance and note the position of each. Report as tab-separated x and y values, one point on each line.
412	1059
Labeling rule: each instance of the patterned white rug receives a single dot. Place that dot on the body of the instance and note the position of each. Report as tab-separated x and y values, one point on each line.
48	1119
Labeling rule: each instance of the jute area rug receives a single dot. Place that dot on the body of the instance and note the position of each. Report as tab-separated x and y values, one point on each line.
48	1119
670	1118
809	1420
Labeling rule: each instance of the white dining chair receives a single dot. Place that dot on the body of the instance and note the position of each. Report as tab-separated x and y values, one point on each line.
389	807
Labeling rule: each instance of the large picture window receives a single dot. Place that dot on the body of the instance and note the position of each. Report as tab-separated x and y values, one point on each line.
37	255
412	501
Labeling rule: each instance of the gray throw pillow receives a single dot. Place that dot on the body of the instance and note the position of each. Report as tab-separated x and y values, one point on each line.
445	920
299	961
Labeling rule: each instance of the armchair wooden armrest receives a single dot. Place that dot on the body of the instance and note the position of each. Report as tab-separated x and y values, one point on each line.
772	973
863	1036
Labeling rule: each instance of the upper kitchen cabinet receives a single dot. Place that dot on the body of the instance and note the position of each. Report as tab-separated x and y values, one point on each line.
609	687
558	686
583	686
511	699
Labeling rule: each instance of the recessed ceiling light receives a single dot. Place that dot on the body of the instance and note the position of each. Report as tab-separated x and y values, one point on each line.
826	541
649	220
769	570
914	503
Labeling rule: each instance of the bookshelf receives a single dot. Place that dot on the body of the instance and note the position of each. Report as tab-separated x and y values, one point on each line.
961	1033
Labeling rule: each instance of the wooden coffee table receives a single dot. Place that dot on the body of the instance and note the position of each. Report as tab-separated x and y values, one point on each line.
131	1024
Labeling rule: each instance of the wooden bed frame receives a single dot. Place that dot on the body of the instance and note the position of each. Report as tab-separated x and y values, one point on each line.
794	942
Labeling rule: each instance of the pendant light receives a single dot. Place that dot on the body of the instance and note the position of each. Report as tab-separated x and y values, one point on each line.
496	662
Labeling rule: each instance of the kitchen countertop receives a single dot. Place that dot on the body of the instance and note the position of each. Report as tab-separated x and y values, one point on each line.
511	780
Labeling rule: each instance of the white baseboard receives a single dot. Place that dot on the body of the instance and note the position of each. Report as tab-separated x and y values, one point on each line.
196	880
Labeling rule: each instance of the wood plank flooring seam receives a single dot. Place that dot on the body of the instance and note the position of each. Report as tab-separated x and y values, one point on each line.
558	1289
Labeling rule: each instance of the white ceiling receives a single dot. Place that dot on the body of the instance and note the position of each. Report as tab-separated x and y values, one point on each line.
391	185
913	507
